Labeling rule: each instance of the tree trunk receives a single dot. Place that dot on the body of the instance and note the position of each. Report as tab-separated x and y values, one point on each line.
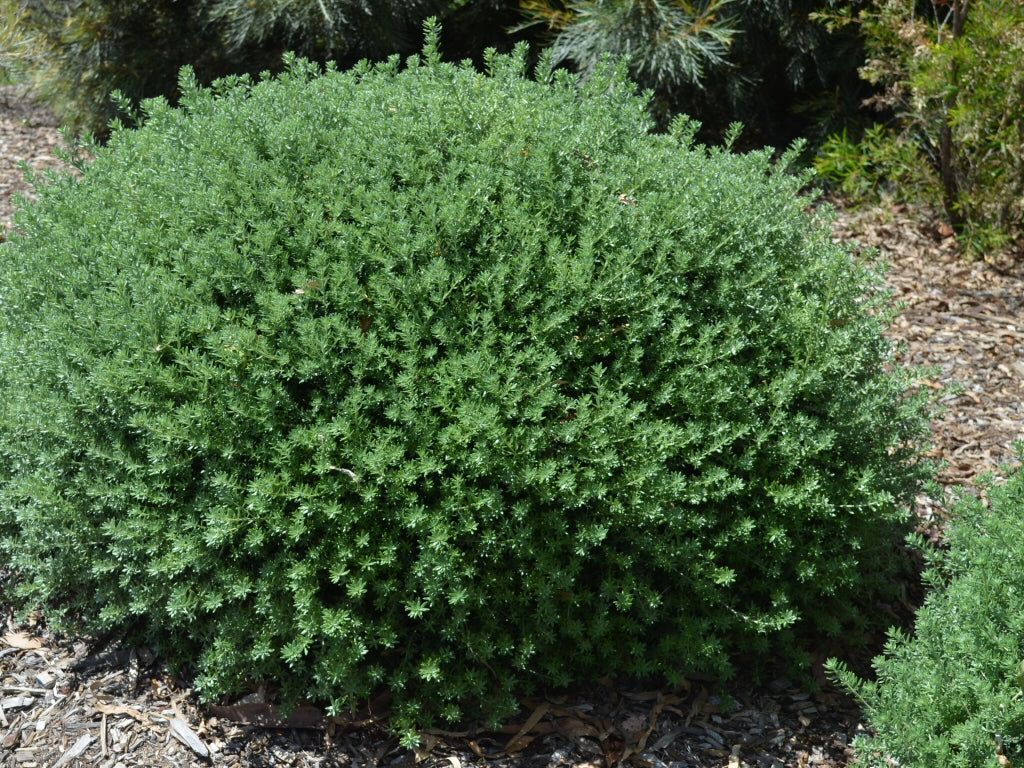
947	154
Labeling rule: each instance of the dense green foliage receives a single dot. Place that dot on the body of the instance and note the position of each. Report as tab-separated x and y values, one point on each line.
953	694
450	383
771	65
336	29
667	44
951	78
78	53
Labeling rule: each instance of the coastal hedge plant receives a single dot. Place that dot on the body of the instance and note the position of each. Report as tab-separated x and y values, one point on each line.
450	384
952	693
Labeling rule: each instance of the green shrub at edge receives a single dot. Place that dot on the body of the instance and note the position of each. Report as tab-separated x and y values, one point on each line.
953	693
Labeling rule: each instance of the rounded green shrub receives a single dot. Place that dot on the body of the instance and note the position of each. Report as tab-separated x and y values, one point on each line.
446	383
952	694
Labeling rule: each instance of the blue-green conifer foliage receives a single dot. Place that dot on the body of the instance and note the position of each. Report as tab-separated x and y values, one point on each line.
447	383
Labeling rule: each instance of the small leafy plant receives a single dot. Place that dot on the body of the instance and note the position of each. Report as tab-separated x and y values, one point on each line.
953	693
874	166
951	79
446	383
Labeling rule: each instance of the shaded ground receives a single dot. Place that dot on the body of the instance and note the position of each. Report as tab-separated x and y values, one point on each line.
64	702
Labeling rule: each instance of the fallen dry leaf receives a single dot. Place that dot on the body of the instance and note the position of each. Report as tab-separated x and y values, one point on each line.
523	738
22	640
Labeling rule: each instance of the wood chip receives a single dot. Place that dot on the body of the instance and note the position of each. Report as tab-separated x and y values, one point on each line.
181	731
17	702
77	749
116	709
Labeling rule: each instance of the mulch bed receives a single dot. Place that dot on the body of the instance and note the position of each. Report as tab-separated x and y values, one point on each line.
68	702
29	135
